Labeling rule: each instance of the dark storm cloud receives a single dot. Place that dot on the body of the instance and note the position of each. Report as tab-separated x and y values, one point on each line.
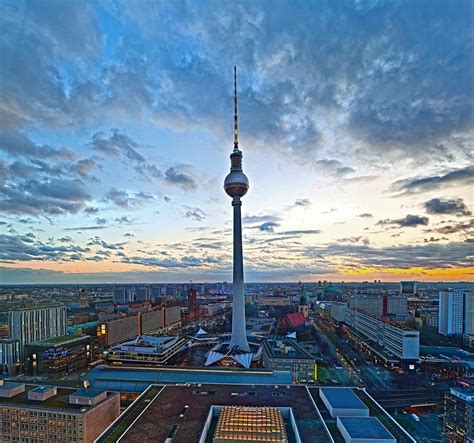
126	200
447	206
457	177
180	179
116	145
427	256
25	248
251	219
122	146
194	213
85	228
408	221
465	228
97	241
20	145
51	197
268	226
302	202
301	232
335	167
184	262
401	71
124	220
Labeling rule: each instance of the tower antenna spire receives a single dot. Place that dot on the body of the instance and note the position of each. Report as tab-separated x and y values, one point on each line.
236	124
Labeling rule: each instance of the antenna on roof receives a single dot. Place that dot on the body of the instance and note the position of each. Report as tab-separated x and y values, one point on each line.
236	126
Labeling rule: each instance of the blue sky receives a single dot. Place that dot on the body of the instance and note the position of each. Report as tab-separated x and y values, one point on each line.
116	125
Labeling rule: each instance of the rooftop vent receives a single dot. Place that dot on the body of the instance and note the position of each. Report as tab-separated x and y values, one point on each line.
42	393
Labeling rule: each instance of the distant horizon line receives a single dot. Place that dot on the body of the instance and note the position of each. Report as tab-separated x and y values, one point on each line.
338	282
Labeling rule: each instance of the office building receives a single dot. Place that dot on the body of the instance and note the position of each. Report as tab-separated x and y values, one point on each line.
459	415
147	350
143	293
380	305
28	325
289	355
49	414
408	288
387	337
456	312
468	321
338	311
58	356
115	331
10	355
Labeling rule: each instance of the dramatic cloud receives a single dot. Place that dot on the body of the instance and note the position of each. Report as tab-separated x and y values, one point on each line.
97	241
466	228
447	206
194	213
52	197
26	247
334	167
458	177
408	221
268	226
302	202
180	179
126	200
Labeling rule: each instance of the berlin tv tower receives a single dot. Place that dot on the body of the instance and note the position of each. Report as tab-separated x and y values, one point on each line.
236	185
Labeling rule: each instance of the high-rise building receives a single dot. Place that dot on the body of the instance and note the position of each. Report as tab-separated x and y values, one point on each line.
143	293
408	288
468	308
459	415
455	312
29	325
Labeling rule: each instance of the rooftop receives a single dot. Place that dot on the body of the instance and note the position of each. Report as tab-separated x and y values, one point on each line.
184	409
61	340
365	427
136	379
59	401
285	349
343	398
295	319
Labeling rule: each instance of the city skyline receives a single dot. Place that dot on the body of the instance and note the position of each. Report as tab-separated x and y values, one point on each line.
116	124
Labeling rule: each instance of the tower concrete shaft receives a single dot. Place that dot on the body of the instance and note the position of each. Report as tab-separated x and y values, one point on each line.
239	335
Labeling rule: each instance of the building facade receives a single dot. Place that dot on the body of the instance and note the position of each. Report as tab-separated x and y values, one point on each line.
48	415
456	312
112	332
289	355
459	415
380	305
59	356
29	325
395	339
10	355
